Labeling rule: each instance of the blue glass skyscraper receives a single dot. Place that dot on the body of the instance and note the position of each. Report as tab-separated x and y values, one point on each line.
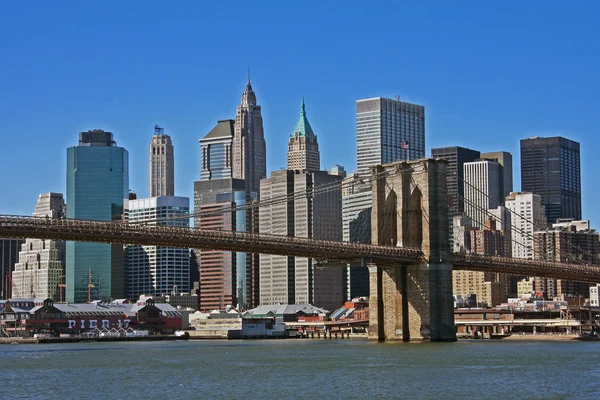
97	184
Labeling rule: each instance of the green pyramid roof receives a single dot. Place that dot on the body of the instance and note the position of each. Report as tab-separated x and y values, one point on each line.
303	127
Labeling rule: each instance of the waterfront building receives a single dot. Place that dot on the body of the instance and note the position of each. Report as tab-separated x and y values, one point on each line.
299	280
249	154
550	167
97	185
386	131
157	270
456	157
268	321
26	317
303	148
162	175
9	256
482	189
527	216
574	243
41	267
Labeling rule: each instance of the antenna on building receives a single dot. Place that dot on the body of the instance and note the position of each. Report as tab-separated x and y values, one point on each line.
248	71
158	130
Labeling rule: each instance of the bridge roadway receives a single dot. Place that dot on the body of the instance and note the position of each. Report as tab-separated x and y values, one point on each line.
117	232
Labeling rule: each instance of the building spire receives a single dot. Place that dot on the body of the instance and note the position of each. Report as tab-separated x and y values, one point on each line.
303	127
248	72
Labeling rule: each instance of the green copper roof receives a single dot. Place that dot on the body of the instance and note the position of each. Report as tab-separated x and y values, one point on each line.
303	126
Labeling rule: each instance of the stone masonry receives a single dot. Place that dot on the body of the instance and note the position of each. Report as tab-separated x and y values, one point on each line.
410	209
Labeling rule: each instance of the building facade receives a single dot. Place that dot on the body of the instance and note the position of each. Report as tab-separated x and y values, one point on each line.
157	270
457	157
575	243
482	189
505	160
249	153
490	289
303	148
9	256
97	185
527	216
550	167
229	278
299	280
41	267
386	131
162	166
226	278
357	200
215	151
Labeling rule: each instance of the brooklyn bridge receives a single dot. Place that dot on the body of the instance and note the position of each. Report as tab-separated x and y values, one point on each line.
410	259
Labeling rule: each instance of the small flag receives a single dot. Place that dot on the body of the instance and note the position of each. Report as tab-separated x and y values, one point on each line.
404	145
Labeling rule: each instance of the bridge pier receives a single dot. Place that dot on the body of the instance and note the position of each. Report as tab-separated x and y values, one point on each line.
410	208
413	303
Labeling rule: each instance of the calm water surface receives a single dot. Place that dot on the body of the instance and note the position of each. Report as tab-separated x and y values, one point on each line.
308	369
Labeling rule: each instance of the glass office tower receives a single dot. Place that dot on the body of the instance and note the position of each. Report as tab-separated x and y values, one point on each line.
551	168
387	131
97	184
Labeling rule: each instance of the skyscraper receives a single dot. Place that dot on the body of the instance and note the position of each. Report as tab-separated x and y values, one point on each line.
303	148
386	131
503	158
457	157
97	184
41	263
226	278
249	151
550	167
9	255
162	180
357	201
157	270
482	190
298	280
527	217
215	151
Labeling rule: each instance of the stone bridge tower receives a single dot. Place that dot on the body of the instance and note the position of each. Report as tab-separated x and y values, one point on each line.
410	209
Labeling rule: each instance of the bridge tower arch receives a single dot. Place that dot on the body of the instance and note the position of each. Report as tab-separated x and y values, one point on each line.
410	209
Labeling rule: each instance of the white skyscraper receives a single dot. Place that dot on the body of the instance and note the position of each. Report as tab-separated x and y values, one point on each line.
527	215
41	262
386	131
482	190
156	270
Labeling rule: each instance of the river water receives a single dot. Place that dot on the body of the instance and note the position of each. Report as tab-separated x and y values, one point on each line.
295	368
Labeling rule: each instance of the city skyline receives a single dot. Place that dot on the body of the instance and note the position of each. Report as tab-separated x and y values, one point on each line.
484	104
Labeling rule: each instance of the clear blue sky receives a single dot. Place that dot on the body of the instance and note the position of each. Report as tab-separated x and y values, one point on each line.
489	73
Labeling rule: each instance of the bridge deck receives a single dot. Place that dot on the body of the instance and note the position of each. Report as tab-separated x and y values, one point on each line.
123	233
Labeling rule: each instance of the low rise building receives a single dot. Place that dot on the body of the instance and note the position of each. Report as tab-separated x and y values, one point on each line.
279	320
26	317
